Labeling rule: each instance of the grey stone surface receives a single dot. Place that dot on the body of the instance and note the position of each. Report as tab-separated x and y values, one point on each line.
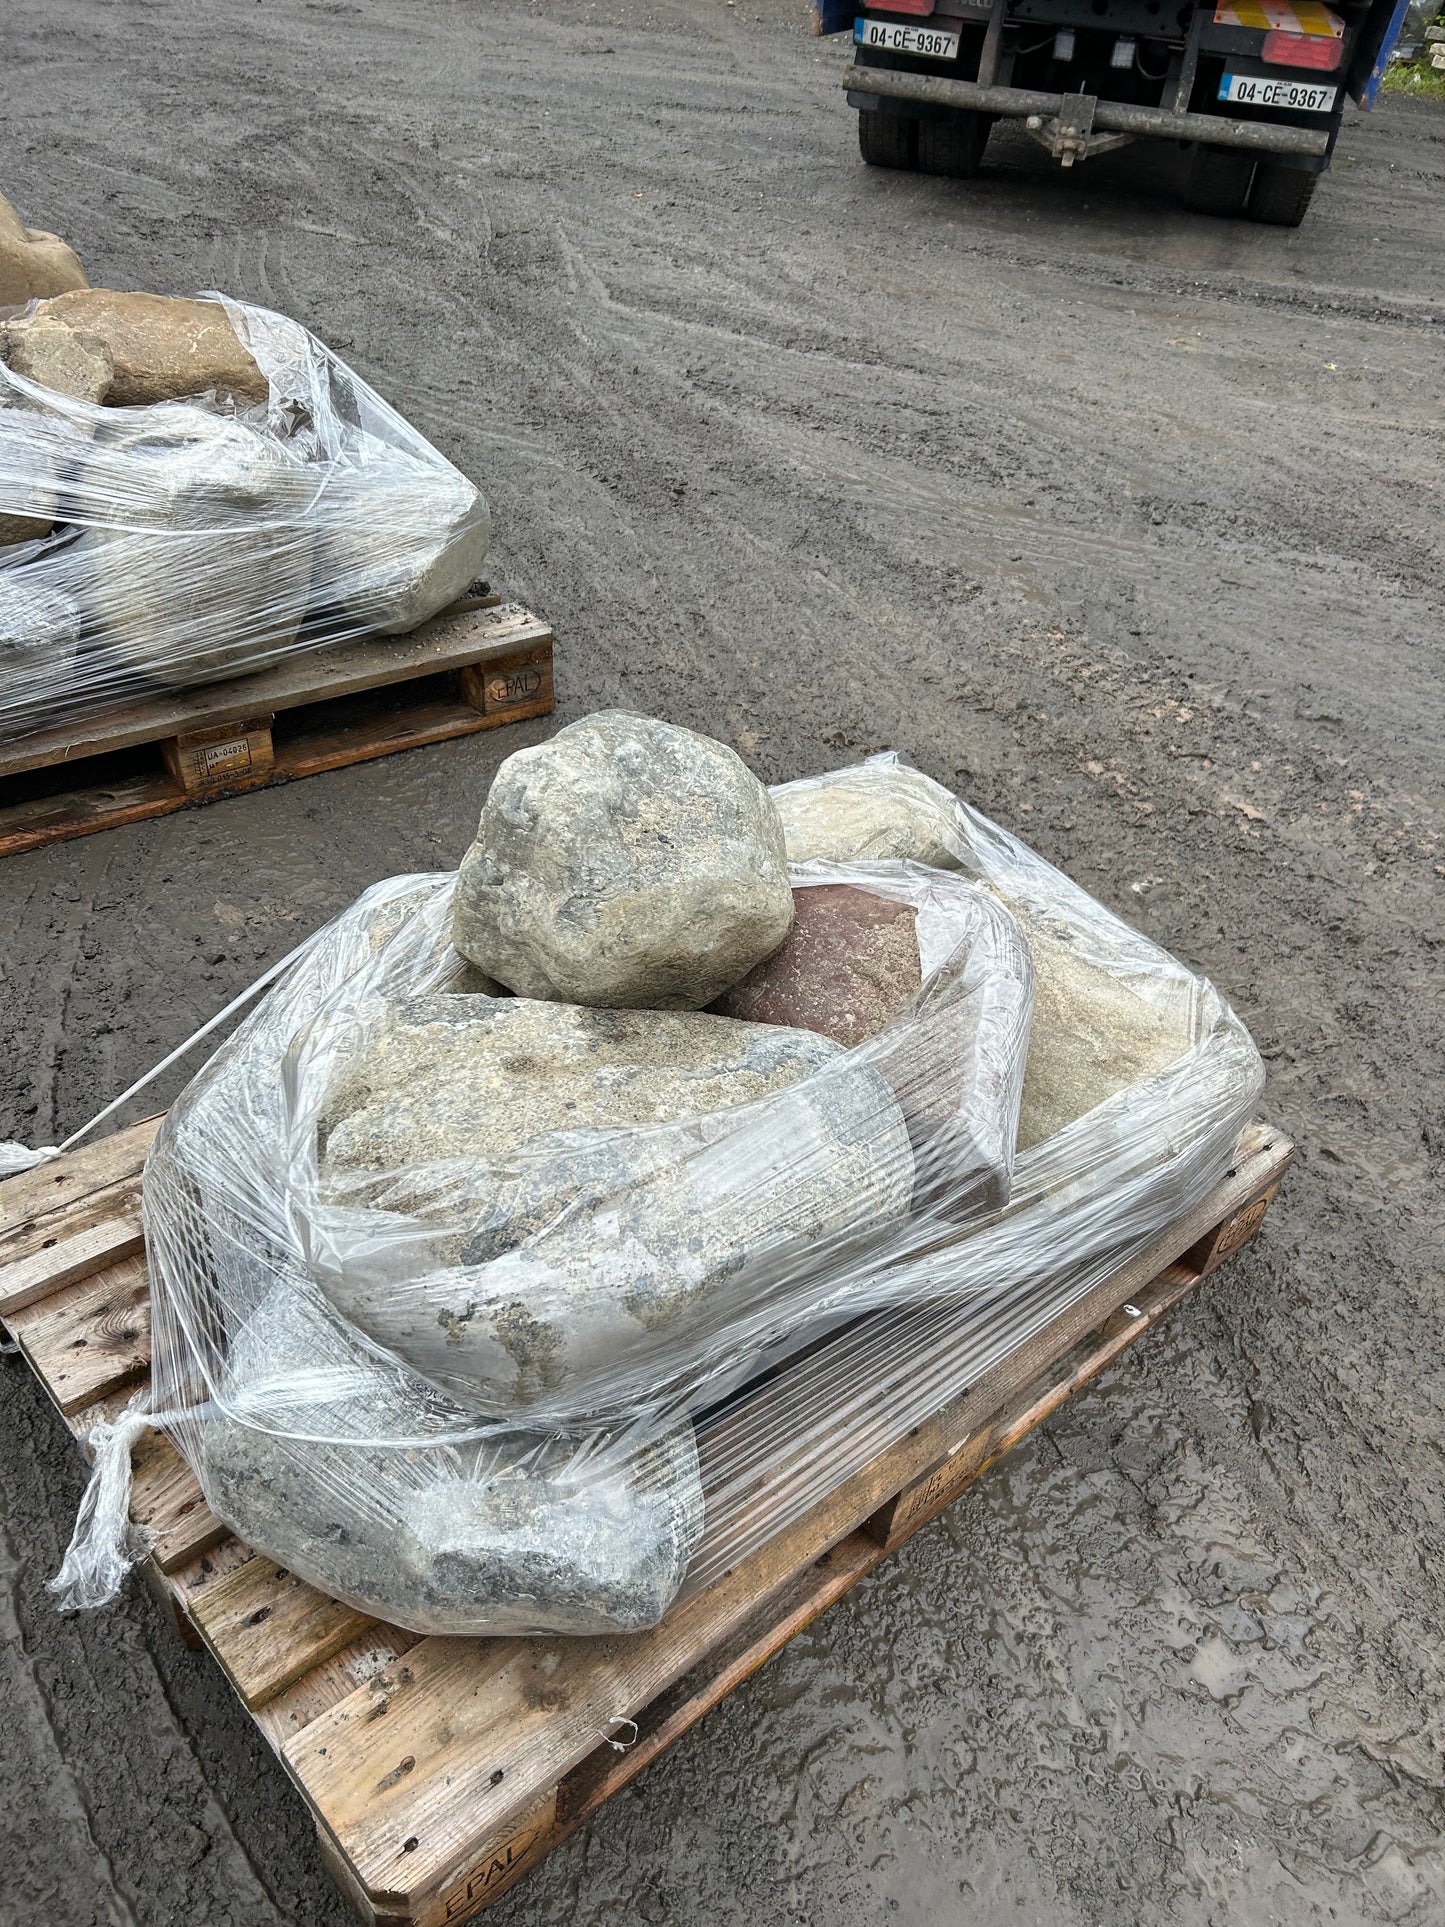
626	863
867	814
210	571
486	1212
39	629
511	1533
396	539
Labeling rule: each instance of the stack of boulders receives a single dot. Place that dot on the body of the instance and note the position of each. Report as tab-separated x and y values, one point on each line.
191	488
641	1126
568	1144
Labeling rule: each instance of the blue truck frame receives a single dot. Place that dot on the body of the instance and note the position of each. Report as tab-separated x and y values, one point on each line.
1106	72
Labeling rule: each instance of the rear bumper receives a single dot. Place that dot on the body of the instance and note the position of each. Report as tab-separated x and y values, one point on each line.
1115	116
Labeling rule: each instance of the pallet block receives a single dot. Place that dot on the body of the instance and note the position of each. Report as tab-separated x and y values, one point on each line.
437	1771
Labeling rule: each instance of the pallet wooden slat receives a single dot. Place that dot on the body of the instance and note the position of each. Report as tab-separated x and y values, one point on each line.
272	1627
89	1337
84	1187
293	1709
166	1498
438	1770
224	738
68	1260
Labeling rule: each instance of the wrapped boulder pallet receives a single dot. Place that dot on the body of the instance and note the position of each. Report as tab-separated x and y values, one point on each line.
468	1241
194	490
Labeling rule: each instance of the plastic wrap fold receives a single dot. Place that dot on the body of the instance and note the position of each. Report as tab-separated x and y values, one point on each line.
492	1315
192	540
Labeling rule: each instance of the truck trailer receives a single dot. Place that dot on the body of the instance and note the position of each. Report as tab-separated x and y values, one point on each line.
1255	89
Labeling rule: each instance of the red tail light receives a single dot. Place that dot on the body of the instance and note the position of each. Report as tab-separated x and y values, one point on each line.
1302	50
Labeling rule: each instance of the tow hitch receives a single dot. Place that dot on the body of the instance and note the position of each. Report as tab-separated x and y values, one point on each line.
1069	135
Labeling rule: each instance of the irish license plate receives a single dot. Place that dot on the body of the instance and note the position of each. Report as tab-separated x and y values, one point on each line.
1252	91
931	42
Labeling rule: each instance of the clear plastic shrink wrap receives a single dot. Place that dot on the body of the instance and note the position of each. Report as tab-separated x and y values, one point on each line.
194	539
457	1295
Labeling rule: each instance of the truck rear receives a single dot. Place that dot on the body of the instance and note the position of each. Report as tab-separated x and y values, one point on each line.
1255	88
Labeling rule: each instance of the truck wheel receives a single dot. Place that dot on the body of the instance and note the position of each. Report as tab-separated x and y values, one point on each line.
1280	195
1219	181
888	140
954	147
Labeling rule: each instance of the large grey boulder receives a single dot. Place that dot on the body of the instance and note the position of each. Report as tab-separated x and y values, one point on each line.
544	1207
625	864
397	538
205	572
870	813
504	1534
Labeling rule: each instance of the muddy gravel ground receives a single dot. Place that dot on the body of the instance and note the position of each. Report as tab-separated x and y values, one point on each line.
1126	523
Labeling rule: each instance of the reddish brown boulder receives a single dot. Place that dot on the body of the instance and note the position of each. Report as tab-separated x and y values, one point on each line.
846	968
849	966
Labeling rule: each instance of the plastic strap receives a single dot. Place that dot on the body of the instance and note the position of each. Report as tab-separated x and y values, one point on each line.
15	1158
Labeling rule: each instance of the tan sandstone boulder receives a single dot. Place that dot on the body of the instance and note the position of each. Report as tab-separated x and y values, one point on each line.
161	349
33	263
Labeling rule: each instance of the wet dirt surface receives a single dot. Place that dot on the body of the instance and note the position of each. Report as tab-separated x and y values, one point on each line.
1125	522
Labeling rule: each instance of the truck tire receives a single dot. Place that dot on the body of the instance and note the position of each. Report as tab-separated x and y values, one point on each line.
953	147
1280	195
1219	181
888	140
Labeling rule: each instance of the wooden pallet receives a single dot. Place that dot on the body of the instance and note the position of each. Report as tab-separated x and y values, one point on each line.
481	663
438	1770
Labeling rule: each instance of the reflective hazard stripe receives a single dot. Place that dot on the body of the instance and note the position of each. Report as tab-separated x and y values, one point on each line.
1281	16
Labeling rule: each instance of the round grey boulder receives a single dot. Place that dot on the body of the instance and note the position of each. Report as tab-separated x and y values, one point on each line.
627	864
